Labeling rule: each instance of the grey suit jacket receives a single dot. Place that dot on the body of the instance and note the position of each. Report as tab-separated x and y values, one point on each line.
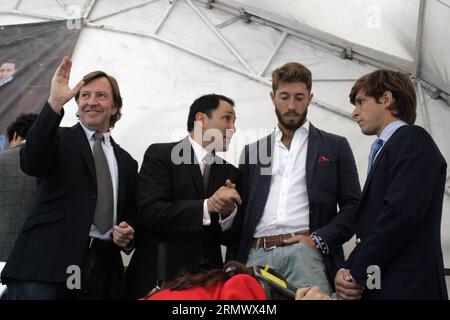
17	193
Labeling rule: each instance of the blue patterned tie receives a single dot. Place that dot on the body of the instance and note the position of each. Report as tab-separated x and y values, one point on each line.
376	146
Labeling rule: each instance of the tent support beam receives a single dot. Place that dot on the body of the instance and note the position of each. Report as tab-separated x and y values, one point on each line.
432	88
274	52
65	8
35	15
419	38
16	7
219	35
423	109
317	37
88	9
165	16
426	123
123	10
249	75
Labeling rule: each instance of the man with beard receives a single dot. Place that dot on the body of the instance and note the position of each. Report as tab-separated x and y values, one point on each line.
291	184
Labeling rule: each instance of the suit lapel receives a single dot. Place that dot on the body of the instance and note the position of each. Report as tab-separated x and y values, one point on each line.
377	162
263	172
192	166
311	155
81	142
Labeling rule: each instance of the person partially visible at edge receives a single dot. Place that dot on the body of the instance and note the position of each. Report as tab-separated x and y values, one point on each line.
17	190
69	246
398	253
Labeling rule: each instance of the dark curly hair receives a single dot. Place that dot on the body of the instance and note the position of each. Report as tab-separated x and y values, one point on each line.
21	125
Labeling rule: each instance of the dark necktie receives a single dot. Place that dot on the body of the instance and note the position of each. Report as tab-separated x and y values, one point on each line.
104	209
208	160
376	146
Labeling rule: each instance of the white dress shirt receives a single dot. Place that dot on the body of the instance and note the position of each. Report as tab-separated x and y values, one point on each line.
114	171
200	154
287	206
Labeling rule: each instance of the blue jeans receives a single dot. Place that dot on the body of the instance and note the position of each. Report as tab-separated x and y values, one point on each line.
301	265
31	290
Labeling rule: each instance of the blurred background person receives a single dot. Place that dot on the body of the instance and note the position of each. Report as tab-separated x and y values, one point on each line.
17	190
10	95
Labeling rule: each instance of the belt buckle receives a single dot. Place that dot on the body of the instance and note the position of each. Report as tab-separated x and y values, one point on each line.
265	246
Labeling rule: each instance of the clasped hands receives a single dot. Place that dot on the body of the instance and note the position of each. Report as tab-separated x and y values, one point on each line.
224	200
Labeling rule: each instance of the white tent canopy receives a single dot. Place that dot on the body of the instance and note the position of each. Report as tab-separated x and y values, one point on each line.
167	53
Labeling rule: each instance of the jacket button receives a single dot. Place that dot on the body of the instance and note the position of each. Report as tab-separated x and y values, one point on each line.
358	240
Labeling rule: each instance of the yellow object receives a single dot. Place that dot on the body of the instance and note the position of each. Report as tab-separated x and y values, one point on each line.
272	278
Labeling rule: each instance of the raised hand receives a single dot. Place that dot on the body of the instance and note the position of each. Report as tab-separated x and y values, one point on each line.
60	92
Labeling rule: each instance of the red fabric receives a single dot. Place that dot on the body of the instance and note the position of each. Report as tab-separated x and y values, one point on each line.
239	287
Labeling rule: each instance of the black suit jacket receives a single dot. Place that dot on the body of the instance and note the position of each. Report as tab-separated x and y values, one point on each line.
329	184
170	210
399	219
55	234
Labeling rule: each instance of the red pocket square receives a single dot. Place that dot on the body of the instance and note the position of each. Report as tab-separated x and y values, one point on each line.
324	159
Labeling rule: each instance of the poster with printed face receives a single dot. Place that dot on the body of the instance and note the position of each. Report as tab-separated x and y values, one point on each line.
29	55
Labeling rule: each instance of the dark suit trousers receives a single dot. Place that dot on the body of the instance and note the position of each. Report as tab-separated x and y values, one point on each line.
102	278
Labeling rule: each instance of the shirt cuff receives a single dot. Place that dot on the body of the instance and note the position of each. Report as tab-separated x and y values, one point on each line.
227	223
206	216
320	243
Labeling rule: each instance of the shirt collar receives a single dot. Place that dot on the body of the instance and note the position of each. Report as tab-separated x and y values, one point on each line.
279	133
7	80
199	151
89	134
387	132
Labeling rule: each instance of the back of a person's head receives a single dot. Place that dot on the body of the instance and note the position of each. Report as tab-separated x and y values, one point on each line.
376	83
208	277
21	126
292	72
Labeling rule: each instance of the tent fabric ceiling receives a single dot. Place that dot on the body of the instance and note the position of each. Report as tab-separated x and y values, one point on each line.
160	73
388	26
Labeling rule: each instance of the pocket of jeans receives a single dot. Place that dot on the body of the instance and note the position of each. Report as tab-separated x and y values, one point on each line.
315	250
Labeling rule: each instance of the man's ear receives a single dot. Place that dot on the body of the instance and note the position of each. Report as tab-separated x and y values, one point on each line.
388	99
272	95
114	110
16	139
200	116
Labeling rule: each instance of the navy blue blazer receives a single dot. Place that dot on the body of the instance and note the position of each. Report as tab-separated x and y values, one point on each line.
399	219
330	183
56	231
